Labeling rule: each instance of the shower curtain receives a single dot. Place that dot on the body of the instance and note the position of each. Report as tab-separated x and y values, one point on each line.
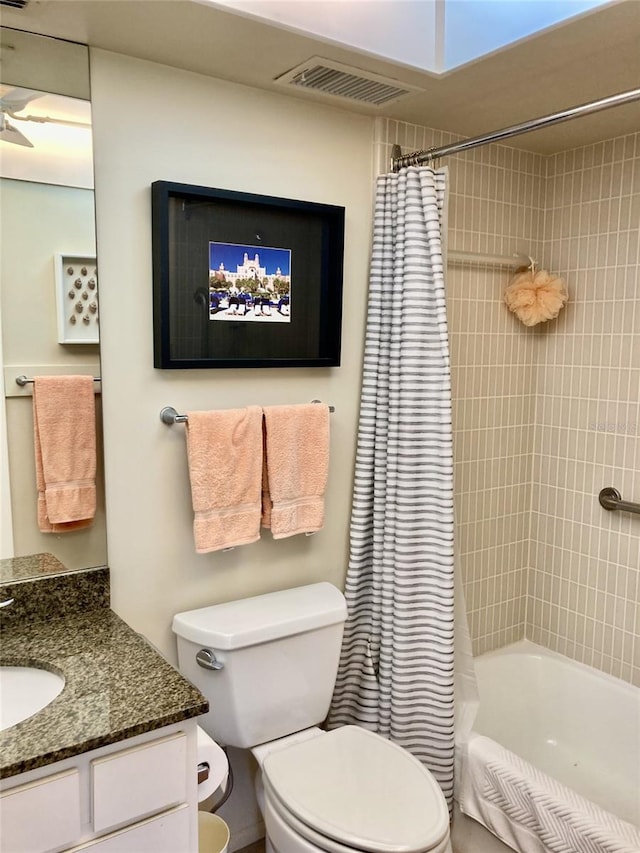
396	668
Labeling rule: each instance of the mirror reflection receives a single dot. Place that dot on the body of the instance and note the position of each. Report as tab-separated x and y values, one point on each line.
49	274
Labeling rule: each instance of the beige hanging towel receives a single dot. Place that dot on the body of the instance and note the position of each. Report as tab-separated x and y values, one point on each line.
296	469
64	425
224	452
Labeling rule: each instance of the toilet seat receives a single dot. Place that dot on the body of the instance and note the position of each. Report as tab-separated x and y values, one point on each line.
351	789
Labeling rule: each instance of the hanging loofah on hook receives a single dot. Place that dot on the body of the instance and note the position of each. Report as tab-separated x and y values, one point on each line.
535	296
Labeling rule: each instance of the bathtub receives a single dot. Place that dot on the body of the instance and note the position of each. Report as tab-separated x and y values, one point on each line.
554	752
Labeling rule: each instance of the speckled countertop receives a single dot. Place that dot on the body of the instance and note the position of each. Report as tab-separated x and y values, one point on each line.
31	567
116	684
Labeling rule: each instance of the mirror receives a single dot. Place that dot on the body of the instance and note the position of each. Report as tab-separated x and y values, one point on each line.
47	229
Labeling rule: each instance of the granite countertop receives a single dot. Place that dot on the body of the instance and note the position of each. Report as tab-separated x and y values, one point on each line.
31	567
116	684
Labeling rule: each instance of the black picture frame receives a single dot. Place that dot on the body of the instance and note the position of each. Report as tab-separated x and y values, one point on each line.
189	225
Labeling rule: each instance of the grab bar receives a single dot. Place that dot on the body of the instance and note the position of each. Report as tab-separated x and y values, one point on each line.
170	416
611	499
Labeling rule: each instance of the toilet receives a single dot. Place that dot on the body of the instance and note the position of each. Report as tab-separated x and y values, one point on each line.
267	665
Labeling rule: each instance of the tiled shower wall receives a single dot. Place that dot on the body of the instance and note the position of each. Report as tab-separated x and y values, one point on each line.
584	575
534	407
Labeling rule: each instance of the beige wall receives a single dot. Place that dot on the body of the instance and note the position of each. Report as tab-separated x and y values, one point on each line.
546	417
153	123
38	221
156	123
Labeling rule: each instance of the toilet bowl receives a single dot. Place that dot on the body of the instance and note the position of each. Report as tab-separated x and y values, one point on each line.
348	790
268	664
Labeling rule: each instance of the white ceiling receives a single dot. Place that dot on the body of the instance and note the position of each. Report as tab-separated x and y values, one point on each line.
582	60
429	35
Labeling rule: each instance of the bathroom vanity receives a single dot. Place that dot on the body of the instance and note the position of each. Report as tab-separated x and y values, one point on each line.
108	766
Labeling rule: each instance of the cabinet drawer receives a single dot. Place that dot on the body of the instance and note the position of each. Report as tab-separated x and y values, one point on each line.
42	815
137	782
166	833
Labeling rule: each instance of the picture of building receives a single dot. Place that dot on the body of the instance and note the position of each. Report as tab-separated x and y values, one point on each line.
250	283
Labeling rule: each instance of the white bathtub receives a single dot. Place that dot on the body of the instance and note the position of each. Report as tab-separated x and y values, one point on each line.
574	725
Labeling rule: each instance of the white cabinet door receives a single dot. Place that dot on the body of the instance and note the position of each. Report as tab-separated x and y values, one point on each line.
42	815
134	783
166	833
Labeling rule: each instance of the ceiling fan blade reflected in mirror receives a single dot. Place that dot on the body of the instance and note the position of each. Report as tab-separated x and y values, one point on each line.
16	100
48	120
8	133
47	109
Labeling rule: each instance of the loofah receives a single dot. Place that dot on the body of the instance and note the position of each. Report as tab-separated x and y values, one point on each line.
535	297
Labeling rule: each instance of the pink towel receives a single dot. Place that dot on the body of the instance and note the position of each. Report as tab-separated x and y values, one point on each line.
296	468
224	450
64	426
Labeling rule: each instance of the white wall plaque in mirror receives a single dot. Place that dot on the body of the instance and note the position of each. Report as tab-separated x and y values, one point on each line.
76	279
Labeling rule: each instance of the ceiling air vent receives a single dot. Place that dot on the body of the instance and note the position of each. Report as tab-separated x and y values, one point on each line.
14	4
341	81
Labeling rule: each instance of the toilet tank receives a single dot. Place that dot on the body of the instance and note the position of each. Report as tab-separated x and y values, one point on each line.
279	654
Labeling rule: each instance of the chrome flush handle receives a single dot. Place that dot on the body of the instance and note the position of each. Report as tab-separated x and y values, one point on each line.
206	659
6	602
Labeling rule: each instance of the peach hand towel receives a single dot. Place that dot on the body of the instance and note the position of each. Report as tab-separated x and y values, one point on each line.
297	467
224	452
64	427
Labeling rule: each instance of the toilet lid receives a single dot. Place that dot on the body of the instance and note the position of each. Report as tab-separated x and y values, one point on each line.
361	790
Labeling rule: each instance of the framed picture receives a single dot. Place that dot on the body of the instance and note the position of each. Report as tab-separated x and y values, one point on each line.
76	278
242	280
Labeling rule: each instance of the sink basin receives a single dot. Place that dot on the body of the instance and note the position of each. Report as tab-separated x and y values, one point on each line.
25	690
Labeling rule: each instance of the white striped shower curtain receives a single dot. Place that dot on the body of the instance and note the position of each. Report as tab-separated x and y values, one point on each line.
396	668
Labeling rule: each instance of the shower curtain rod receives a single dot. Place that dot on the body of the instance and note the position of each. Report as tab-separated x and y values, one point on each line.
419	158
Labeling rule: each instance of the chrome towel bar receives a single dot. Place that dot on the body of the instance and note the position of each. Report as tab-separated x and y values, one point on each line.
22	380
611	499
169	416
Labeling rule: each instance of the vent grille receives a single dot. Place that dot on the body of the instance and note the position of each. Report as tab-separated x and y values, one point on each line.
14	4
340	81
